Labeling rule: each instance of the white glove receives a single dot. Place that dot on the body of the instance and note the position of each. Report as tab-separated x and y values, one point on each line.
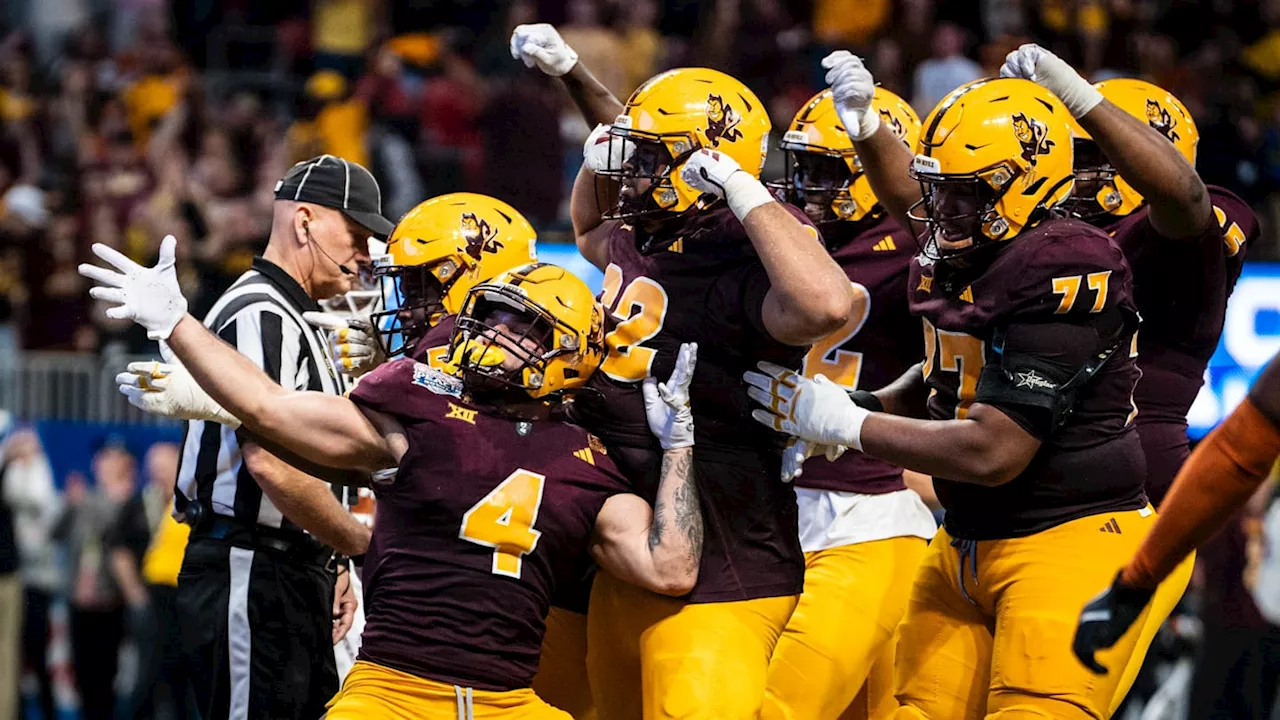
816	410
148	296
666	405
716	173
352	343
603	151
853	89
1034	63
797	451
541	45
166	388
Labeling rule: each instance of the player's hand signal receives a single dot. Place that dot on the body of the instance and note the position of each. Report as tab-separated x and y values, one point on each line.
166	388
148	296
353	343
852	88
666	405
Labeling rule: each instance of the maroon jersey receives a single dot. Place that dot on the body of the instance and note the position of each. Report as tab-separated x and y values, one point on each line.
1181	287
485	519
1057	296
879	343
707	287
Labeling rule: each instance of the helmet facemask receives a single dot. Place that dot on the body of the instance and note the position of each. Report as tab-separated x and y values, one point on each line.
960	214
642	167
413	298
1095	195
818	183
504	342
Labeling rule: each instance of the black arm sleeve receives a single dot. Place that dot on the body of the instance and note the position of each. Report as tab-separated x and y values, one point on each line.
1033	372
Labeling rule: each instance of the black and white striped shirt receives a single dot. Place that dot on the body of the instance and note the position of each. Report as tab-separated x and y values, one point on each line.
261	316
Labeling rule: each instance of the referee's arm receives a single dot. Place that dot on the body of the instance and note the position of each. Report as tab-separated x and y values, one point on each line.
306	501
274	344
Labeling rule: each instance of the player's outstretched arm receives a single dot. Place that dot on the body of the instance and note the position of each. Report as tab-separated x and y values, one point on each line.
885	158
985	448
1178	198
659	549
540	45
327	429
809	295
1216	481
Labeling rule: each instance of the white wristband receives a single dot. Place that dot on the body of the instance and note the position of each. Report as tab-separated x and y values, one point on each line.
870	123
745	193
852	437
1079	98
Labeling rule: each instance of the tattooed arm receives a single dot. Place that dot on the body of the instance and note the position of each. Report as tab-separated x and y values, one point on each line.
658	549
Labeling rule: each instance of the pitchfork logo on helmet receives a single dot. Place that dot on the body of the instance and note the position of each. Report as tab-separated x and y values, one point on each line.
480	235
894	124
1161	120
722	121
1033	137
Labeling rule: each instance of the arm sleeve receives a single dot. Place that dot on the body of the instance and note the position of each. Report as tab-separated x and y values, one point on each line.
1024	378
1216	481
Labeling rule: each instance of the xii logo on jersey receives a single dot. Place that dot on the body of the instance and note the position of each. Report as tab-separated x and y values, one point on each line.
1161	120
456	412
436	381
481	236
722	121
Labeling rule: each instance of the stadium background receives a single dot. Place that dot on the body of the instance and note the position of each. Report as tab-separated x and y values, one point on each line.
124	120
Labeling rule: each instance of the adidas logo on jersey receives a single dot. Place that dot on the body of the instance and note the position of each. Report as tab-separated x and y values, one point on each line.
585	456
967	294
885	245
1111	527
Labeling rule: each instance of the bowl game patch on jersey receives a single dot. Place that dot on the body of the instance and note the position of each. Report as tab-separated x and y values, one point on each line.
436	381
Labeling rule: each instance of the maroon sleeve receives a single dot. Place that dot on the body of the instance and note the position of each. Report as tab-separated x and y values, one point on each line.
752	283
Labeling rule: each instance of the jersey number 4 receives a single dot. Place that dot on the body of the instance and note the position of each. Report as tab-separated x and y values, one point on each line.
641	310
504	519
828	356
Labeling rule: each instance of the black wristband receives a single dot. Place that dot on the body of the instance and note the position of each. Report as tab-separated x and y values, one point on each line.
358	560
864	399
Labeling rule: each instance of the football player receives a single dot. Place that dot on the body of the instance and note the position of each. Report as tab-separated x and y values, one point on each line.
494	499
438	251
694	249
1028	317
1135	178
863	532
1217	480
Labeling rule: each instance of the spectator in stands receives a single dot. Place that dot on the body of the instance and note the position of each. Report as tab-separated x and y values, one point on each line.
342	31
947	70
10	603
330	121
147	546
97	611
28	492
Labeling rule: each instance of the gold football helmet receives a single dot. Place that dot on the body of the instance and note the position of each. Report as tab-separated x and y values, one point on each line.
536	327
825	176
438	251
994	158
669	117
1100	190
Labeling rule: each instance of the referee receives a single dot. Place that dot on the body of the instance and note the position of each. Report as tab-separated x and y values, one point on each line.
255	596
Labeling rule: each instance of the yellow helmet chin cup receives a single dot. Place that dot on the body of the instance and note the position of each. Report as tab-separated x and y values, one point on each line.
485	356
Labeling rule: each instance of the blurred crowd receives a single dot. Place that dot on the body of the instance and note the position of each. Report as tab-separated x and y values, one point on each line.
88	572
125	120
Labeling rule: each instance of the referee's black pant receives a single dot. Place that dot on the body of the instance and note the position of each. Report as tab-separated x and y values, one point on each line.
257	632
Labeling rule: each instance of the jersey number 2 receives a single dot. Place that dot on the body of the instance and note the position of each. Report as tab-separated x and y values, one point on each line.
503	520
828	357
640	311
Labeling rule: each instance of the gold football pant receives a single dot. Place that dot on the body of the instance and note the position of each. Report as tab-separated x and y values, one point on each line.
655	657
995	641
854	597
562	667
374	692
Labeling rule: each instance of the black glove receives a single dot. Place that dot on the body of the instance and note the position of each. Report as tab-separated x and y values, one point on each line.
1106	619
864	399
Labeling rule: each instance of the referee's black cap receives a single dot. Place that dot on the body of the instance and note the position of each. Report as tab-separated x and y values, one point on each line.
345	186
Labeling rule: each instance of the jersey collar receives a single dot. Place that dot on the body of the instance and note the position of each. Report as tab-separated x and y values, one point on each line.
286	284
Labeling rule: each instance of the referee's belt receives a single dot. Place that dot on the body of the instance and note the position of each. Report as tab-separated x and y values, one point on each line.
297	547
